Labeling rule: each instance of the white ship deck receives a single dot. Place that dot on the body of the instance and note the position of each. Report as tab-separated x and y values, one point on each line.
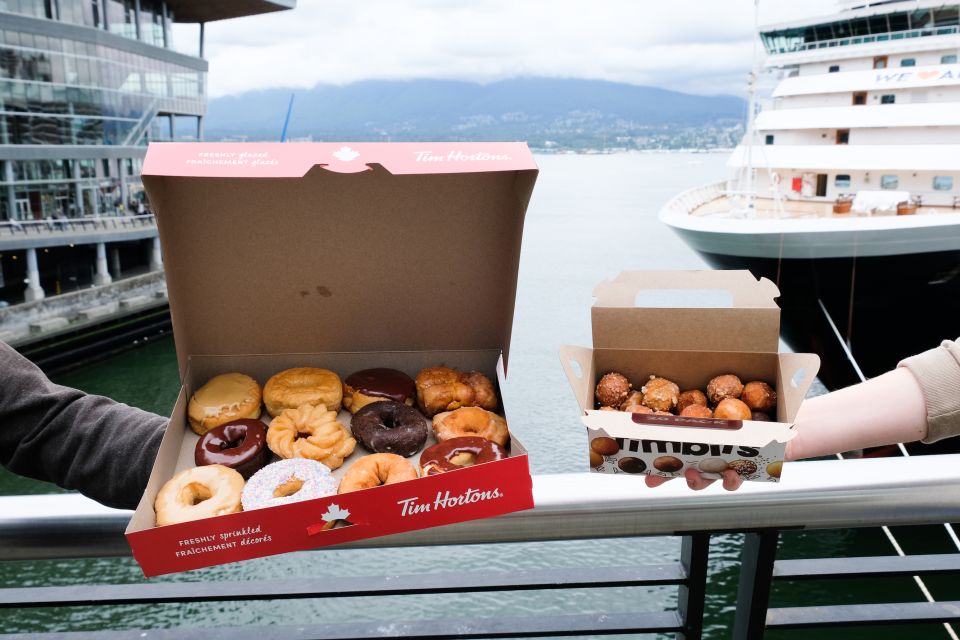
765	208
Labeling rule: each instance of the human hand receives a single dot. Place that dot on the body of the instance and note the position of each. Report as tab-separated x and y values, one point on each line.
696	481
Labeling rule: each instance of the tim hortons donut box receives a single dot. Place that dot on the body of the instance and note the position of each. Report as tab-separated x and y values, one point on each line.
344	257
687	327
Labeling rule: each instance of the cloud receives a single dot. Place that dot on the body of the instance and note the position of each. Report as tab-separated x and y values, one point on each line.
698	46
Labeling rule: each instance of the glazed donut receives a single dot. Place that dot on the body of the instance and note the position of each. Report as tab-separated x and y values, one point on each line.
660	394
198	493
471	421
722	387
759	396
227	397
288	481
732	409
688	398
240	445
372	385
443	389
304	385
613	390
459	452
376	469
390	427
326	440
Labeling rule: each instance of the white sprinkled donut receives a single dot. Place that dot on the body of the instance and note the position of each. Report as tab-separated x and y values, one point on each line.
288	481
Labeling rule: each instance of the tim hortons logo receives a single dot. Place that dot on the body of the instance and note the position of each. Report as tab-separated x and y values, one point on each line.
686	448
412	506
457	156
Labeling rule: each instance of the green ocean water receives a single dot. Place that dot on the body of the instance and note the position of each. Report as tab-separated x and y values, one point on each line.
608	204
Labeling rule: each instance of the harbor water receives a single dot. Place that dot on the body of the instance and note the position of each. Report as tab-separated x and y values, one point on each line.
591	216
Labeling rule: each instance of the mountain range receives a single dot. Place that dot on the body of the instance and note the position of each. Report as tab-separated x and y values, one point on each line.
544	111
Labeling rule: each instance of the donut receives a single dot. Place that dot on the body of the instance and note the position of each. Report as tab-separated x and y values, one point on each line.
376	469
687	398
725	386
471	421
604	446
442	389
304	385
668	464
240	445
713	465
390	427
372	385
744	467
732	409
226	397
197	493
660	394
759	396
613	389
288	481
310	432
696	411
637	408
760	416
634	398
595	459
631	465
775	468
459	452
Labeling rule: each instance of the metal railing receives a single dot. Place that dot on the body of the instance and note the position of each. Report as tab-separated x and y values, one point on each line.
844	41
50	226
813	495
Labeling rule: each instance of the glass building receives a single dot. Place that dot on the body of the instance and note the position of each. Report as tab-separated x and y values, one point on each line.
84	85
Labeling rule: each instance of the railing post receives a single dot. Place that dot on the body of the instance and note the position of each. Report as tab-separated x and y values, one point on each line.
694	552
756	577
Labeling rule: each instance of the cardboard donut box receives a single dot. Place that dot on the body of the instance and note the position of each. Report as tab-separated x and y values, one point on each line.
688	327
345	257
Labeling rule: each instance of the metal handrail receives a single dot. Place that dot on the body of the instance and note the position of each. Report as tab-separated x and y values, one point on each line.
815	495
61	225
867	39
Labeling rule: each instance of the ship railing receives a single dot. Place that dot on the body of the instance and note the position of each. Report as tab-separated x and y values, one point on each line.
688	201
49	226
813	495
922	32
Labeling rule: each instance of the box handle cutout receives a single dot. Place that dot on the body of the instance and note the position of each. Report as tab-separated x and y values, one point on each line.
334	515
677	421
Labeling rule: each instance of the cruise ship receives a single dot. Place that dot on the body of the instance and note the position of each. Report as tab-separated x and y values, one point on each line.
845	190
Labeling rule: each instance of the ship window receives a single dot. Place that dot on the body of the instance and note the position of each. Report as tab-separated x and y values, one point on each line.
949	59
842	181
943	183
889	182
880	62
769	138
834	68
908	62
843	136
860	97
888	99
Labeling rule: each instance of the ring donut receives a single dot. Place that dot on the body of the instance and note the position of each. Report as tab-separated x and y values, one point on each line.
459	452
390	427
303	385
240	445
288	481
198	493
224	398
376	469
471	421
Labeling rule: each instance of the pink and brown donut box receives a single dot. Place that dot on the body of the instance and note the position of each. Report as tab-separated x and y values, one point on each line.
688	327
344	257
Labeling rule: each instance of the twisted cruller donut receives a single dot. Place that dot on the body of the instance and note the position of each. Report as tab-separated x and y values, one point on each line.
375	470
197	493
304	385
326	440
471	421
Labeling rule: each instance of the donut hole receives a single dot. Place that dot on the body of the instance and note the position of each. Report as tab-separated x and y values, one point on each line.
194	493
288	488
464	459
301	435
231	444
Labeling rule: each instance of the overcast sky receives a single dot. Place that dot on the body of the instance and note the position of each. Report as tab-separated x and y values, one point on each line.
697	46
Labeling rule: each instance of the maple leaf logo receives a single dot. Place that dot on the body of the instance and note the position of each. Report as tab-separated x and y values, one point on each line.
334	512
346	154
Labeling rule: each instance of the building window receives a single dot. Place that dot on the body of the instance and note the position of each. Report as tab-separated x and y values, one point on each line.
769	138
908	62
843	136
889	182
860	97
943	183
842	181
888	99
949	59
834	68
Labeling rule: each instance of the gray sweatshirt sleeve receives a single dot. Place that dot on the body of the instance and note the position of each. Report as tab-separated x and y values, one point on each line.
98	446
938	372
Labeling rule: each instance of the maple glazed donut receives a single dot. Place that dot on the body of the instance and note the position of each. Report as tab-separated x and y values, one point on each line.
240	445
288	481
390	427
459	452
310	432
444	389
226	397
471	421
198	493
303	385
376	469
374	385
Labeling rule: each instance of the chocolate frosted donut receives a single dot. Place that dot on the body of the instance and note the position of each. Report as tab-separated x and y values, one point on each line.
459	452
390	427
240	445
374	385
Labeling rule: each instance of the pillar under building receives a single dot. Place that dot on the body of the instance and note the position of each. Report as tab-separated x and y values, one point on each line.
156	257
33	291
103	274
115	262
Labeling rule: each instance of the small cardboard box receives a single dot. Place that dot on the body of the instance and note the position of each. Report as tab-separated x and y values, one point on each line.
344	257
688	327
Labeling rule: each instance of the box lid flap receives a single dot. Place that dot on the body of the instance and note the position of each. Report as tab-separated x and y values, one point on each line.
332	247
686	310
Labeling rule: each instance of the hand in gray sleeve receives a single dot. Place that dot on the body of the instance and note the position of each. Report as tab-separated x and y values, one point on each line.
938	372
100	447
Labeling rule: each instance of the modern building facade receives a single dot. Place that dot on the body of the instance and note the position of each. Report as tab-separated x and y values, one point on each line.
84	85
